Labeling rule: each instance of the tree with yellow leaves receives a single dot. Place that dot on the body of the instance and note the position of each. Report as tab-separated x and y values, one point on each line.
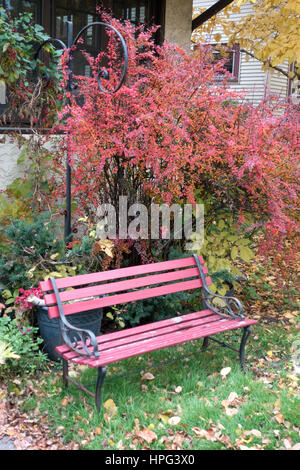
270	33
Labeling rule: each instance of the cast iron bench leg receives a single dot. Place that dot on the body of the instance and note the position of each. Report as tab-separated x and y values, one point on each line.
205	343
101	375
65	372
246	334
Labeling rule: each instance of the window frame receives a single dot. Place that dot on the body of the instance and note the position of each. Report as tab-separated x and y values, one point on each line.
235	74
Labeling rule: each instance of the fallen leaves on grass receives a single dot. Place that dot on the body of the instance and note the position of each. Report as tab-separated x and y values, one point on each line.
214	433
147	435
28	432
176	441
232	404
267	283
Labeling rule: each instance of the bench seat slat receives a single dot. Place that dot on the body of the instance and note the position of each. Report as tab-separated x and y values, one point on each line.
128	284
172	326
84	279
127	297
142	328
170	339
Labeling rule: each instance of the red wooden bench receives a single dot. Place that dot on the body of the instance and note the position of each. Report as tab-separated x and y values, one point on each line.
107	288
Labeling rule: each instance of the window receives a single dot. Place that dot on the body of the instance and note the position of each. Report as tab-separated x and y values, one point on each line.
232	60
80	13
19	6
293	84
53	14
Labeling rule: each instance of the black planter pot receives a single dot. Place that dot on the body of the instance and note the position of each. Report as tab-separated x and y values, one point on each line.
50	330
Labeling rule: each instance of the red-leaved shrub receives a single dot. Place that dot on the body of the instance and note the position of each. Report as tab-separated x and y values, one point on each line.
175	127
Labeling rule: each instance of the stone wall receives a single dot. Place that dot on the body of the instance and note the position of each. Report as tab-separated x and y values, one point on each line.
9	154
178	22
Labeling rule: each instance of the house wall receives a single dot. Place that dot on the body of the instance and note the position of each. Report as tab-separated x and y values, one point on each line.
9	154
253	82
178	22
279	84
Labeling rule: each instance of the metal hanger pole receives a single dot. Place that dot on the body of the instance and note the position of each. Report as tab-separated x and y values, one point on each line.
102	75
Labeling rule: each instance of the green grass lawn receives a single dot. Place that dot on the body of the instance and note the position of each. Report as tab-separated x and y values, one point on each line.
186	404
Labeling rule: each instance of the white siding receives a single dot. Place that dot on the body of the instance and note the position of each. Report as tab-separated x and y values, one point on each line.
253	82
279	84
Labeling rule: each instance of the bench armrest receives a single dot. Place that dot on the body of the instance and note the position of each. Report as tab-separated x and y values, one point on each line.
226	306
83	342
223	305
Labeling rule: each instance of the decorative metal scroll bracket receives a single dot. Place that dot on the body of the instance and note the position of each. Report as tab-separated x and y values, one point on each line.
103	73
225	306
83	342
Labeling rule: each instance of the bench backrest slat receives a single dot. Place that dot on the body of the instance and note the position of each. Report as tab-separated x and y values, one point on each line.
128	284
84	279
124	298
168	274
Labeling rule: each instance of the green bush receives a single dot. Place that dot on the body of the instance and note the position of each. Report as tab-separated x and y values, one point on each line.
32	249
157	308
19	349
27	244
154	309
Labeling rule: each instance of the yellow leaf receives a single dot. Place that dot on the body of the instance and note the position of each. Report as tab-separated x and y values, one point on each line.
164	418
6	294
234	253
213	288
110	407
106	246
6	352
217	37
246	254
221	223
